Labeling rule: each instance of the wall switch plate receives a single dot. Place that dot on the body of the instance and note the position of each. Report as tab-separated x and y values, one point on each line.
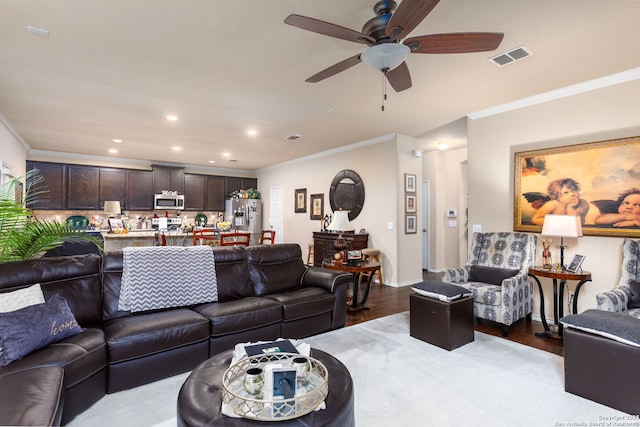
453	223
477	228
390	225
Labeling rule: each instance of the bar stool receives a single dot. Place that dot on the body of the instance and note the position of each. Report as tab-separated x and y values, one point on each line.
372	254
310	254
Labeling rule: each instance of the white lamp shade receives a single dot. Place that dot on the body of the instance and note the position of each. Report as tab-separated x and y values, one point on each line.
562	226
112	207
386	56
340	222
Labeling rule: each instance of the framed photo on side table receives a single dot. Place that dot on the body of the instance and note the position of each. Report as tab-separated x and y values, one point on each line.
576	262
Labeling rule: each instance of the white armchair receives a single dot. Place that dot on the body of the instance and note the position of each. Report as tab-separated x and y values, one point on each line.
497	275
618	298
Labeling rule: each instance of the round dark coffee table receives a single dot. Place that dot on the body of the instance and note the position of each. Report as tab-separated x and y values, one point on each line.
200	398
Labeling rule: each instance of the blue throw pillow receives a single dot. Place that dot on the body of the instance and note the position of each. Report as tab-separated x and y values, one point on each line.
493	275
31	328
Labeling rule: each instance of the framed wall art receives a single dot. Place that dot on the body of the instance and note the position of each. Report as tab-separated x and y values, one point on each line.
301	200
317	206
410	224
599	181
409	183
410	203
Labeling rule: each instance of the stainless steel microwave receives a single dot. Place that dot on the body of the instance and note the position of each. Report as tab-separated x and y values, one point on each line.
168	201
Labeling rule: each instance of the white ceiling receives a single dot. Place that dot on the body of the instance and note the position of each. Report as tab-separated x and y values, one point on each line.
115	69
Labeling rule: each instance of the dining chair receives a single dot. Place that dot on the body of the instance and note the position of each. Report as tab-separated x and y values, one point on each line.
269	236
202	237
235	239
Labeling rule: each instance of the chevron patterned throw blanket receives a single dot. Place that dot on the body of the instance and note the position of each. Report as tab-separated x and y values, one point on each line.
167	276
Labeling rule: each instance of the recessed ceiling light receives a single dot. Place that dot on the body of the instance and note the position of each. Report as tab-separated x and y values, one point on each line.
117	141
443	146
113	150
226	154
172	118
252	132
176	148
212	161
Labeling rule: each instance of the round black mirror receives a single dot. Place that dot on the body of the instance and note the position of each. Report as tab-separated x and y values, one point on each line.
347	193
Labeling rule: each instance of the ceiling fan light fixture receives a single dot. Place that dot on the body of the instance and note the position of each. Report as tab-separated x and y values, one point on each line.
385	57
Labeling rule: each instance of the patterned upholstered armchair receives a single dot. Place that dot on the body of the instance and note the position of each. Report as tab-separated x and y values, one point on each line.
618	298
497	275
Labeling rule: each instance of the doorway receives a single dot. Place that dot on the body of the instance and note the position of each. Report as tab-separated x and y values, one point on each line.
275	212
425	224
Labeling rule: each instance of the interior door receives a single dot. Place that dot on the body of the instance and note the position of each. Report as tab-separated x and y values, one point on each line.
425	225
275	212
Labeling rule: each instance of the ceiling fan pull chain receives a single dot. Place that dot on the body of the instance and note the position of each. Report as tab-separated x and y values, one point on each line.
384	88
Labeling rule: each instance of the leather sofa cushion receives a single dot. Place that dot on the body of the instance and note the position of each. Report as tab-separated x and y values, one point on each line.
275	268
232	273
241	315
75	278
32	397
149	333
305	302
81	356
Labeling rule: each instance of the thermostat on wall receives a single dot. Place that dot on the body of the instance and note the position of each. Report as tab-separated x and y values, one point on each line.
452	213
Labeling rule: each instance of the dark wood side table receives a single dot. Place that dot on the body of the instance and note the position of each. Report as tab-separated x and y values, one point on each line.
323	244
356	269
558	296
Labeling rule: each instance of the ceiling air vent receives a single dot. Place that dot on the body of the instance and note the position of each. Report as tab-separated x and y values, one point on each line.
293	137
511	56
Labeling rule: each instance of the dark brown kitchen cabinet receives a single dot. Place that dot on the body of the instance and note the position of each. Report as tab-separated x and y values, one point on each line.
168	178
194	191
113	186
50	193
83	187
231	184
214	194
139	190
247	183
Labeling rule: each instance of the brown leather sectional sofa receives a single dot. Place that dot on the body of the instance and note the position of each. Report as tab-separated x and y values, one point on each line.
265	292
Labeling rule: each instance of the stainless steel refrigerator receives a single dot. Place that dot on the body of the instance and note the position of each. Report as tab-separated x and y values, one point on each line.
245	215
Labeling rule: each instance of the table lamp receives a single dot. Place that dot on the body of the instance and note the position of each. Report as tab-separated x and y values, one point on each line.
112	207
562	226
340	222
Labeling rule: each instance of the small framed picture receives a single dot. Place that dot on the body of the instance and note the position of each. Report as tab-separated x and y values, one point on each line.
317	206
410	203
115	223
301	200
576	262
409	183
411	224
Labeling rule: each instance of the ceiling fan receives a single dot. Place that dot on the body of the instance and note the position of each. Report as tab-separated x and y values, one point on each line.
384	35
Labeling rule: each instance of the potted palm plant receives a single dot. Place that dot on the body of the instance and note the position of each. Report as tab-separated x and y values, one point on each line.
22	235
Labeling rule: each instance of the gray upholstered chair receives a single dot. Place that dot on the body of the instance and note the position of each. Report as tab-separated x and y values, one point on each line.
497	274
619	297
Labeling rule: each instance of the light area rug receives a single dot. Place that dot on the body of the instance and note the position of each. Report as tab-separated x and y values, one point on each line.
402	381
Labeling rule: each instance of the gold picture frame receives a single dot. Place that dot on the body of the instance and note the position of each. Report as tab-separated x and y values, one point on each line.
599	181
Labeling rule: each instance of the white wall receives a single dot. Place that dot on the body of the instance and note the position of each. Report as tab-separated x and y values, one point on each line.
13	152
593	116
381	164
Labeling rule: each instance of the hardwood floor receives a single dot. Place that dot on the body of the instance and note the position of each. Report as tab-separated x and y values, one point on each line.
386	300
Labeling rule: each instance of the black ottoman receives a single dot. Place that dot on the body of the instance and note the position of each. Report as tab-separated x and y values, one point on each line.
446	324
200	398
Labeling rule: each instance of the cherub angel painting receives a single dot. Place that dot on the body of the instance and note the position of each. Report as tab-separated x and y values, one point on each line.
563	198
598	182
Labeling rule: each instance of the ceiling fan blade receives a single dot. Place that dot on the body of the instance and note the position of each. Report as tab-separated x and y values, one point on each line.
407	16
335	69
399	77
327	29
454	42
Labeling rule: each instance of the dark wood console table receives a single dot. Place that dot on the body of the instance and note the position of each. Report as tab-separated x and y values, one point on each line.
323	244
